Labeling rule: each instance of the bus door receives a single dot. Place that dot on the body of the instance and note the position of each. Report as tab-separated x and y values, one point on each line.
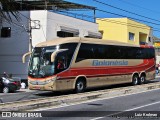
62	63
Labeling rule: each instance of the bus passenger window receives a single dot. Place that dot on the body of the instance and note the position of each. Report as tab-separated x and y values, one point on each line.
85	52
60	64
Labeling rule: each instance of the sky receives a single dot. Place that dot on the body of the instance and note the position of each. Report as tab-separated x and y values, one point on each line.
143	11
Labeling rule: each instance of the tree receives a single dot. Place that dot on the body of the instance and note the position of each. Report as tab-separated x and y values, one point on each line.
8	9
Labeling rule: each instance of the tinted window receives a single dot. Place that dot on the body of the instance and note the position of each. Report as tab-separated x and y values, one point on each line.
40	63
64	34
85	52
69	53
151	53
95	51
100	52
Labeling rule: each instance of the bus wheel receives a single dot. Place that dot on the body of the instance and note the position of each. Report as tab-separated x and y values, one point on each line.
135	80
142	79
80	86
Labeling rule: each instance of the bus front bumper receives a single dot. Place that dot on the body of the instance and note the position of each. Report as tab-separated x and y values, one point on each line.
45	85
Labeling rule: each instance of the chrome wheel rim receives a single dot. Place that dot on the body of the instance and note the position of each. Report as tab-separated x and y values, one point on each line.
135	80
5	90
142	79
80	86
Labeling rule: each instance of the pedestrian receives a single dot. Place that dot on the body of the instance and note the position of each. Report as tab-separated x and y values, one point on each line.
23	85
157	70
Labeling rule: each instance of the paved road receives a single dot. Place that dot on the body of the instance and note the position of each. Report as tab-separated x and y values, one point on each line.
25	95
134	106
125	107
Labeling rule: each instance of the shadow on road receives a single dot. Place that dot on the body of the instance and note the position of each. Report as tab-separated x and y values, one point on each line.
50	94
35	94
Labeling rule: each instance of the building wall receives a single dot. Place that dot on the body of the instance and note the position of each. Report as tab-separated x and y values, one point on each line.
44	26
157	50
50	23
38	28
12	48
113	29
141	31
119	28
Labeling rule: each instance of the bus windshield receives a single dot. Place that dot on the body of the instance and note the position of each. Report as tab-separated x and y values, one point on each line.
40	63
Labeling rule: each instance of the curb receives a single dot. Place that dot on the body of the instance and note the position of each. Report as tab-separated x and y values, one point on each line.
76	98
25	90
157	77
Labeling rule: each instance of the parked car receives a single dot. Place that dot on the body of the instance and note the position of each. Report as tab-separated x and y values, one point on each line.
8	84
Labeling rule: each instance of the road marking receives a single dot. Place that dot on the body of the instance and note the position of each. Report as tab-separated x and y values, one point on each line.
97	118
99	99
143	106
126	110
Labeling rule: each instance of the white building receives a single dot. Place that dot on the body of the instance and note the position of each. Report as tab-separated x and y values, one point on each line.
49	25
41	25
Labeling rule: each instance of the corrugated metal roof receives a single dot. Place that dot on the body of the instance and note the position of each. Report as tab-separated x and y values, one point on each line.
50	5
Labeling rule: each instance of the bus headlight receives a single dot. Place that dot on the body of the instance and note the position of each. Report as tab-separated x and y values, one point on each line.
48	81
51	80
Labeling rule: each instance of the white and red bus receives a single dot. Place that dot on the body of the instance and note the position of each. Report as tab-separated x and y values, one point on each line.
80	63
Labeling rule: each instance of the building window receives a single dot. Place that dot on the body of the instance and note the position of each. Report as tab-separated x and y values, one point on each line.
149	39
6	32
64	34
131	36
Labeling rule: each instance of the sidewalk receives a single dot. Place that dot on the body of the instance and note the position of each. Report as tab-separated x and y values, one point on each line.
63	100
25	90
157	76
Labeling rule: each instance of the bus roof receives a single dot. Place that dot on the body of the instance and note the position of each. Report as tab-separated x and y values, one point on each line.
82	40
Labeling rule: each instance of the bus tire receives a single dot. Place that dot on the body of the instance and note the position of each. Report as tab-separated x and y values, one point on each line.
142	79
80	85
135	79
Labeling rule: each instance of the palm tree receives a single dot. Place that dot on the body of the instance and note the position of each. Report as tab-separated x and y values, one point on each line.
8	9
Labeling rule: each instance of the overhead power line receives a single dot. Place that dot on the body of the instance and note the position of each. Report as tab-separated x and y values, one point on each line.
119	15
127	17
129	24
117	22
125	10
113	21
128	12
138	6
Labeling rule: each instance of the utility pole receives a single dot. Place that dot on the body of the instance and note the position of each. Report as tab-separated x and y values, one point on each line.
46	2
21	6
29	31
30	36
94	15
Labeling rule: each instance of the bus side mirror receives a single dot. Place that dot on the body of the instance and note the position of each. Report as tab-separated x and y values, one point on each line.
24	57
53	55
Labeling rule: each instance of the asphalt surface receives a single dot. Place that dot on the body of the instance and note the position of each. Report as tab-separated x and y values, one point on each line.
141	106
28	94
124	107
